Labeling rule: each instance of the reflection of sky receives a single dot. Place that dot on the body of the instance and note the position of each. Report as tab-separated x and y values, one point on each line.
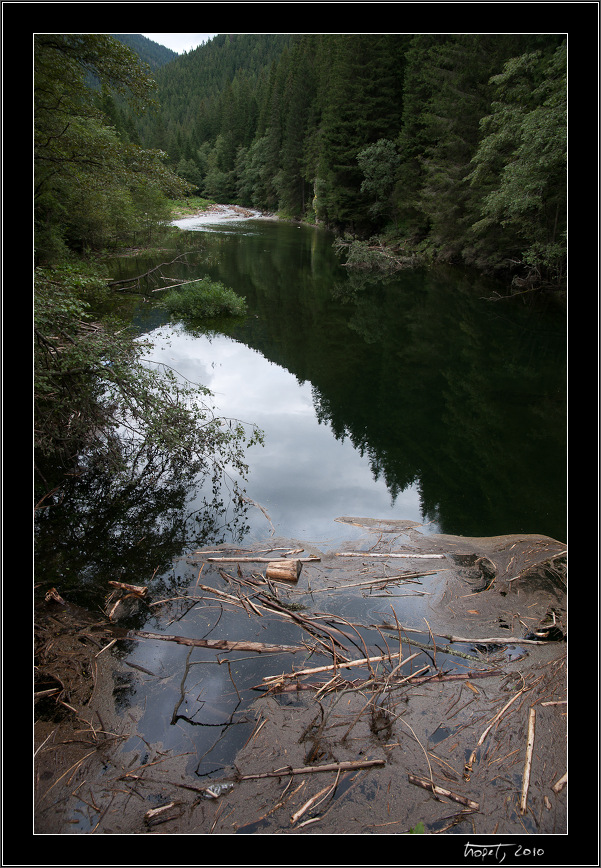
303	477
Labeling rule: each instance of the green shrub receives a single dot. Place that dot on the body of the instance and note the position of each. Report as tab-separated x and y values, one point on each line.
204	298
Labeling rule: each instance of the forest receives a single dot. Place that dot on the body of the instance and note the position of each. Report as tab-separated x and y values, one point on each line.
432	148
450	147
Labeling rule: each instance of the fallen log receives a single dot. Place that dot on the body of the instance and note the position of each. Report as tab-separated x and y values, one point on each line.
442	791
216	644
284	570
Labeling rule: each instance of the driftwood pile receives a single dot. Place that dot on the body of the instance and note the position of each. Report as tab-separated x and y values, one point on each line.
360	683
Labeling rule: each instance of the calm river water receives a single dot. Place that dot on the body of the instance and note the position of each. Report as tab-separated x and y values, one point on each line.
423	396
414	397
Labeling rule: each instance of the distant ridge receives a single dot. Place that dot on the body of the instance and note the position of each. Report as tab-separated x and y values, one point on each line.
150	52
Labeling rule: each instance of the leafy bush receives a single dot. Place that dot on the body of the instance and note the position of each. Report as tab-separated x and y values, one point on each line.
204	298
96	397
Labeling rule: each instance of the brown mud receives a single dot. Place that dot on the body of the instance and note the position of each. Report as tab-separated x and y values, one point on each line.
463	730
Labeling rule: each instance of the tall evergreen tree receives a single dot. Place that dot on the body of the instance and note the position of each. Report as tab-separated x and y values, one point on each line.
520	167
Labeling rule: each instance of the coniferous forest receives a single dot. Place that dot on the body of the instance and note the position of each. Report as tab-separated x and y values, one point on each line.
432	148
452	147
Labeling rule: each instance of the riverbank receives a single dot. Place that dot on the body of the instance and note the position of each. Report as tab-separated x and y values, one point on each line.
215	211
423	730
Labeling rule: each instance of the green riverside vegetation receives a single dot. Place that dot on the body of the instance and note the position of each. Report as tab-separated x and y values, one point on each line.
204	298
413	149
98	402
451	146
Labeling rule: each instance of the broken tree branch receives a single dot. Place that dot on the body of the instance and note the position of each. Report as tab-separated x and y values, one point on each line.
467	771
347	665
389	555
528	762
247	560
348	765
442	791
217	644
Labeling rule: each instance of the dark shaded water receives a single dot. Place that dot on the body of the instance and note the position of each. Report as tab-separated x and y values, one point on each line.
413	397
449	406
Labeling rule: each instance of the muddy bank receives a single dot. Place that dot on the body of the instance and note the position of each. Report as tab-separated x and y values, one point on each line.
429	722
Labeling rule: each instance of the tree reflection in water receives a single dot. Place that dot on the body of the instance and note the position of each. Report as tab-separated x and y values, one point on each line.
99	527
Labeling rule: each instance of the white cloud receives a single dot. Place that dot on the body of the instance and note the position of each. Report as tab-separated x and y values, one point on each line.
180	42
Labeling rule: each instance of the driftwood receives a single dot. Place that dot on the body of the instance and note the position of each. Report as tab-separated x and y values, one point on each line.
346	665
349	765
528	762
247	560
284	570
217	644
442	791
381	581
162	814
389	555
138	590
53	596
463	640
456	676
123	283
467	770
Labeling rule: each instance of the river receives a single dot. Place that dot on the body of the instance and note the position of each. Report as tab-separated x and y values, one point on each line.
423	396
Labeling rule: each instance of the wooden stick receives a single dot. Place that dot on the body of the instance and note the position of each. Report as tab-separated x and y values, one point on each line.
528	762
217	644
390	555
457	676
560	784
348	765
442	791
467	770
310	803
362	662
462	640
138	590
384	580
247	560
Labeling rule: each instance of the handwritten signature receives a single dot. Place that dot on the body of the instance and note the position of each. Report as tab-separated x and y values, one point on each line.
498	852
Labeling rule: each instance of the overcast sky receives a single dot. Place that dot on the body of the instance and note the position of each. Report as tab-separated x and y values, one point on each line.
180	41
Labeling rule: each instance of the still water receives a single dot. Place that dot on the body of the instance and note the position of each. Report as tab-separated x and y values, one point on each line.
422	396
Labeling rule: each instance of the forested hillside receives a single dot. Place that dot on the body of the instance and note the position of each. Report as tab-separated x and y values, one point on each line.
441	147
450	147
149	52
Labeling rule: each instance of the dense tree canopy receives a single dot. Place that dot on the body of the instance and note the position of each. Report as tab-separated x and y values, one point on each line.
454	144
443	147
93	184
96	399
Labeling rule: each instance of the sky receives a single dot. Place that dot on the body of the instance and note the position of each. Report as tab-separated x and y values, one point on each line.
180	42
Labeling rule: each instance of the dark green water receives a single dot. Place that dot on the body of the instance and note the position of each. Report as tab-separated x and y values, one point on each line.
414	397
455	402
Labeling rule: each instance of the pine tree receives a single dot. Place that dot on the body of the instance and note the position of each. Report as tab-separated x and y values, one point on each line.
521	164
